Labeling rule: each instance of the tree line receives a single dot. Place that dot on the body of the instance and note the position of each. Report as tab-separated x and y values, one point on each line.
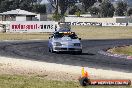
104	8
29	5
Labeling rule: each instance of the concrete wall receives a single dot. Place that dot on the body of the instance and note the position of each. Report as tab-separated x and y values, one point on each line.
83	19
20	18
102	20
28	18
129	24
17	18
43	17
123	20
7	18
24	18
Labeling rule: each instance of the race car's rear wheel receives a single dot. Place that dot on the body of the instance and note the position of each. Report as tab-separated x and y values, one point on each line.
78	52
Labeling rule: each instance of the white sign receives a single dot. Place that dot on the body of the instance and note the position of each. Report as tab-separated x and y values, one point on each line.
93	24
82	23
114	24
32	26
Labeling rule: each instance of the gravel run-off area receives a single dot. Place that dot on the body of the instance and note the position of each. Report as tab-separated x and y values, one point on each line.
54	71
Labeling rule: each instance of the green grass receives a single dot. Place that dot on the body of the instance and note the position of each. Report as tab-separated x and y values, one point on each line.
127	50
15	81
84	32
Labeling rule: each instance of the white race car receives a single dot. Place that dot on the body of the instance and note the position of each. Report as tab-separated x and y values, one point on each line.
65	41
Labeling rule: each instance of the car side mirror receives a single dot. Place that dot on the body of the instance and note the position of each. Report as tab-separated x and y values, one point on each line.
50	37
79	38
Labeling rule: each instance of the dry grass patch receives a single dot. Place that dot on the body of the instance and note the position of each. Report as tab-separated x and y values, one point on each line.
15	81
97	32
85	32
127	50
23	36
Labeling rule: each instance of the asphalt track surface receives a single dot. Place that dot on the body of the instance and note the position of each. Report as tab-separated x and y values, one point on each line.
38	51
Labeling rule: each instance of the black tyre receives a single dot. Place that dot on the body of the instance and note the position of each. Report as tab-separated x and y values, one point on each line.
51	50
80	52
84	81
129	83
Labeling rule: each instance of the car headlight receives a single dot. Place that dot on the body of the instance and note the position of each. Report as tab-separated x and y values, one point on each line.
57	44
77	44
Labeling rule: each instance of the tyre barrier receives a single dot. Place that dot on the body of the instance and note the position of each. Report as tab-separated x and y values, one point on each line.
105	52
85	80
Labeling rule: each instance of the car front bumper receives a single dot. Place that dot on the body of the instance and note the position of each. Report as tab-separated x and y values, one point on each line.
57	49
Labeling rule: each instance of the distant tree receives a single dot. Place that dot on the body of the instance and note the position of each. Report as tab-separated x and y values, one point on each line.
107	9
129	12
15	4
65	4
94	11
121	8
100	1
5	5
1	1
87	3
74	10
62	5
38	8
27	4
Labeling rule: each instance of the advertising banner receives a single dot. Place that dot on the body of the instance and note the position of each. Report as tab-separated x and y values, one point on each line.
82	23
32	26
93	24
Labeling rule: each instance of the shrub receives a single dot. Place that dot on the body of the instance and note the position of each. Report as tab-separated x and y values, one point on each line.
57	16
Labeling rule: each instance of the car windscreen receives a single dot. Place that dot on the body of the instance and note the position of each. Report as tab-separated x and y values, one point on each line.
64	30
60	35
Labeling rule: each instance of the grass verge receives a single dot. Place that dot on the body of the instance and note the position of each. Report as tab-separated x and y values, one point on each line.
127	50
23	36
15	81
84	32
98	32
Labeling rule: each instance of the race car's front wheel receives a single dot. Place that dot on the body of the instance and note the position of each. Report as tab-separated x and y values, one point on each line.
51	50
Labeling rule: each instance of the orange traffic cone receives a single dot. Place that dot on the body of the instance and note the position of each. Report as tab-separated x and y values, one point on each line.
84	73
84	79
